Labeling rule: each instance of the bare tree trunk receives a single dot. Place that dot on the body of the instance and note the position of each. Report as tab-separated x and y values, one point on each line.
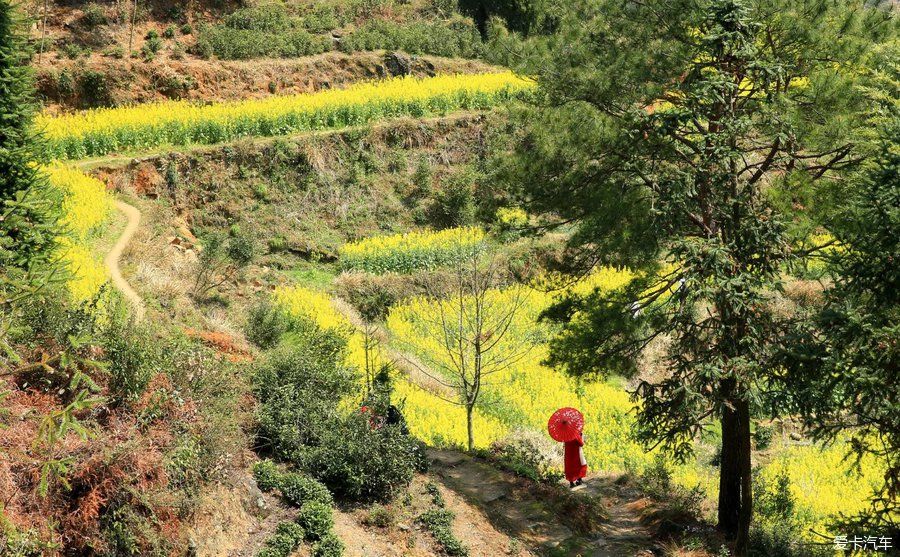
469	409
43	31
735	492
131	33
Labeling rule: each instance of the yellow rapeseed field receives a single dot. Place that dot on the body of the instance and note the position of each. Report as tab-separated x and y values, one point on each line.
109	130
410	252
86	206
528	393
86	202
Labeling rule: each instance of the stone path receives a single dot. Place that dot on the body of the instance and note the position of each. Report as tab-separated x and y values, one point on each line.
522	514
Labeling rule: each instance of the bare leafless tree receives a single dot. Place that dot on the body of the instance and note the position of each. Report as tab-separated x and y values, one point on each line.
475	324
134	9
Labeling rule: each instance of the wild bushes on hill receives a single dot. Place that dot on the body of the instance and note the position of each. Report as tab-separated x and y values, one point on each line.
245	44
305	390
457	38
360	464
270	30
103	442
299	386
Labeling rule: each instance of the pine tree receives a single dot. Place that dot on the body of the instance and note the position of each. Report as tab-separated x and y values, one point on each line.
843	364
663	131
29	229
29	208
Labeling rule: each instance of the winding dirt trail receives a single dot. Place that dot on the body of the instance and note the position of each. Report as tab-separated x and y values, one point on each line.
112	260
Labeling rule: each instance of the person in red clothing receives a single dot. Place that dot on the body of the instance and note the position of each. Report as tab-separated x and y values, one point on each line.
575	464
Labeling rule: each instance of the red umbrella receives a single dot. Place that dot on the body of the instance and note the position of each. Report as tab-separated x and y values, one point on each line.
565	424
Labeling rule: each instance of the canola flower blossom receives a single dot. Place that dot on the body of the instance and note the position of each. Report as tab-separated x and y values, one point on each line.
110	130
411	252
86	203
86	206
526	394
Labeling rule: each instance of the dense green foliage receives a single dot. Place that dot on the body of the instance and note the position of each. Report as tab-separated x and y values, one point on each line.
266	324
298	489
329	546
439	522
524	16
298	387
843	363
664	126
269	30
361	464
316	520
456	37
288	535
29	209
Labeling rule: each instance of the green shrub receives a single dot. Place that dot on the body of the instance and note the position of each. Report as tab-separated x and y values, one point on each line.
65	83
93	16
316	519
763	436
379	516
292	530
186	29
17	543
439	522
267	475
266	324
776	505
227	43
453	38
657	482
323	18
359	463
372	295
525	456
133	359
329	546
95	88
297	386
783	540
298	489
454	203
220	260
73	51
116	51
436	496
287	536
169	33
272	17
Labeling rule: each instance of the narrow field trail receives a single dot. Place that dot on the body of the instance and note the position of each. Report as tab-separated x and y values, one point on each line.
112	260
522	514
